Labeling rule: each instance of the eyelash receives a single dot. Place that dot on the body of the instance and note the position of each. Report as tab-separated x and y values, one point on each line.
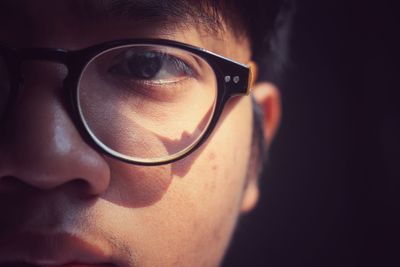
144	66
153	89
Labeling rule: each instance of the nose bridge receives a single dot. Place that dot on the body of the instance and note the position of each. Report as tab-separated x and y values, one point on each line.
44	65
46	75
47	54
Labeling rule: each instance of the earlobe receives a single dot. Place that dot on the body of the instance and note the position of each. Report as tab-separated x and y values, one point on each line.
267	97
250	196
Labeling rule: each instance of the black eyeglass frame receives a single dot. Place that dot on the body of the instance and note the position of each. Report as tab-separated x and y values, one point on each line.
233	78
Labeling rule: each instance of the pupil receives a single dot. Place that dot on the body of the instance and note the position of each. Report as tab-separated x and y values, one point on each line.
145	66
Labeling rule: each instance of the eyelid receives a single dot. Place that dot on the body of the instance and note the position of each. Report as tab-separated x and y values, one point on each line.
187	58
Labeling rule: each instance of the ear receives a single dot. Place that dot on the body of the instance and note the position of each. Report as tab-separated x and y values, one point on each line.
267	97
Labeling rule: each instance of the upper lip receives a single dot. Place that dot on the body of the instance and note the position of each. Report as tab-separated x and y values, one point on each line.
51	250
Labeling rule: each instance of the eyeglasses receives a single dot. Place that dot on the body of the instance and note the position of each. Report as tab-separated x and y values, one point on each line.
142	101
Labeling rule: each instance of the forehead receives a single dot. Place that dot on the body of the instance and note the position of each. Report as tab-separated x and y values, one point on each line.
73	24
154	11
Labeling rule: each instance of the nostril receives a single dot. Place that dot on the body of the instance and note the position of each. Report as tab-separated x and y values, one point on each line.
81	188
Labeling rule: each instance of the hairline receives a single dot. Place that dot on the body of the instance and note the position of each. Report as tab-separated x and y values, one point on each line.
206	15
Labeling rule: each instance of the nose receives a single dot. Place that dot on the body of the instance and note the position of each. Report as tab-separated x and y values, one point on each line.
39	143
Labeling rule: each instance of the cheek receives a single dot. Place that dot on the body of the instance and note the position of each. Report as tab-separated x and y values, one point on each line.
134	186
192	220
199	211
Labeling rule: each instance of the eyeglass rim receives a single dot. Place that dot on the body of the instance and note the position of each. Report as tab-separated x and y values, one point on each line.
77	60
113	151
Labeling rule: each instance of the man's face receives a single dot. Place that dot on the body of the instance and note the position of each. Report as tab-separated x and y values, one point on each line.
64	202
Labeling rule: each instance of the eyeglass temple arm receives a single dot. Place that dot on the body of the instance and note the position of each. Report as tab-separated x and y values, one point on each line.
253	72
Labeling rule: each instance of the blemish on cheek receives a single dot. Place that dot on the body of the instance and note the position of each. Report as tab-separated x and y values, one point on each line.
212	159
182	167
211	156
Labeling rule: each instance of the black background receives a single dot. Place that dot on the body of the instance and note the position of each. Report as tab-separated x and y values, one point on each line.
331	191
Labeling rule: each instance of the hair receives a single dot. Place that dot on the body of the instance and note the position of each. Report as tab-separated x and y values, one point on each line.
266	23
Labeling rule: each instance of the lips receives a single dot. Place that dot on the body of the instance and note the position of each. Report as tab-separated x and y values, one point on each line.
57	250
21	264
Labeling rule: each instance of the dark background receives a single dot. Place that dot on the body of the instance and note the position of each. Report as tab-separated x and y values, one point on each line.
331	191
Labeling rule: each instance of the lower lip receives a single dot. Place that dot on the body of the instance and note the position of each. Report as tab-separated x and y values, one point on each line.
16	264
76	265
67	265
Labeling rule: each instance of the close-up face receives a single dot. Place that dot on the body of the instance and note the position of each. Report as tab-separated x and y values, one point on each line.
77	186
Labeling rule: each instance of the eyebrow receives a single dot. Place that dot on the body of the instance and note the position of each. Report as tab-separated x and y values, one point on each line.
173	12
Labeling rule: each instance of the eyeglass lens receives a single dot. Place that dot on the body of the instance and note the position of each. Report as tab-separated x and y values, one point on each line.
147	102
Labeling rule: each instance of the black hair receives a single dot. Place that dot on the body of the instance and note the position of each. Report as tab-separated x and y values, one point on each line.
266	23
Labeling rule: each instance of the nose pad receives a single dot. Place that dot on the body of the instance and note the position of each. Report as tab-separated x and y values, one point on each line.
40	144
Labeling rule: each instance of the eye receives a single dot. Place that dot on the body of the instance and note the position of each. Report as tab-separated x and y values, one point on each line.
151	66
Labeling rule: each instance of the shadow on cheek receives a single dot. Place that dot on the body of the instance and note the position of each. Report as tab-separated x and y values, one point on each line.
182	167
137	186
140	186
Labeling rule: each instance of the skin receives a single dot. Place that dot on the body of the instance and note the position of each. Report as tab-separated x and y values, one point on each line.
53	184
